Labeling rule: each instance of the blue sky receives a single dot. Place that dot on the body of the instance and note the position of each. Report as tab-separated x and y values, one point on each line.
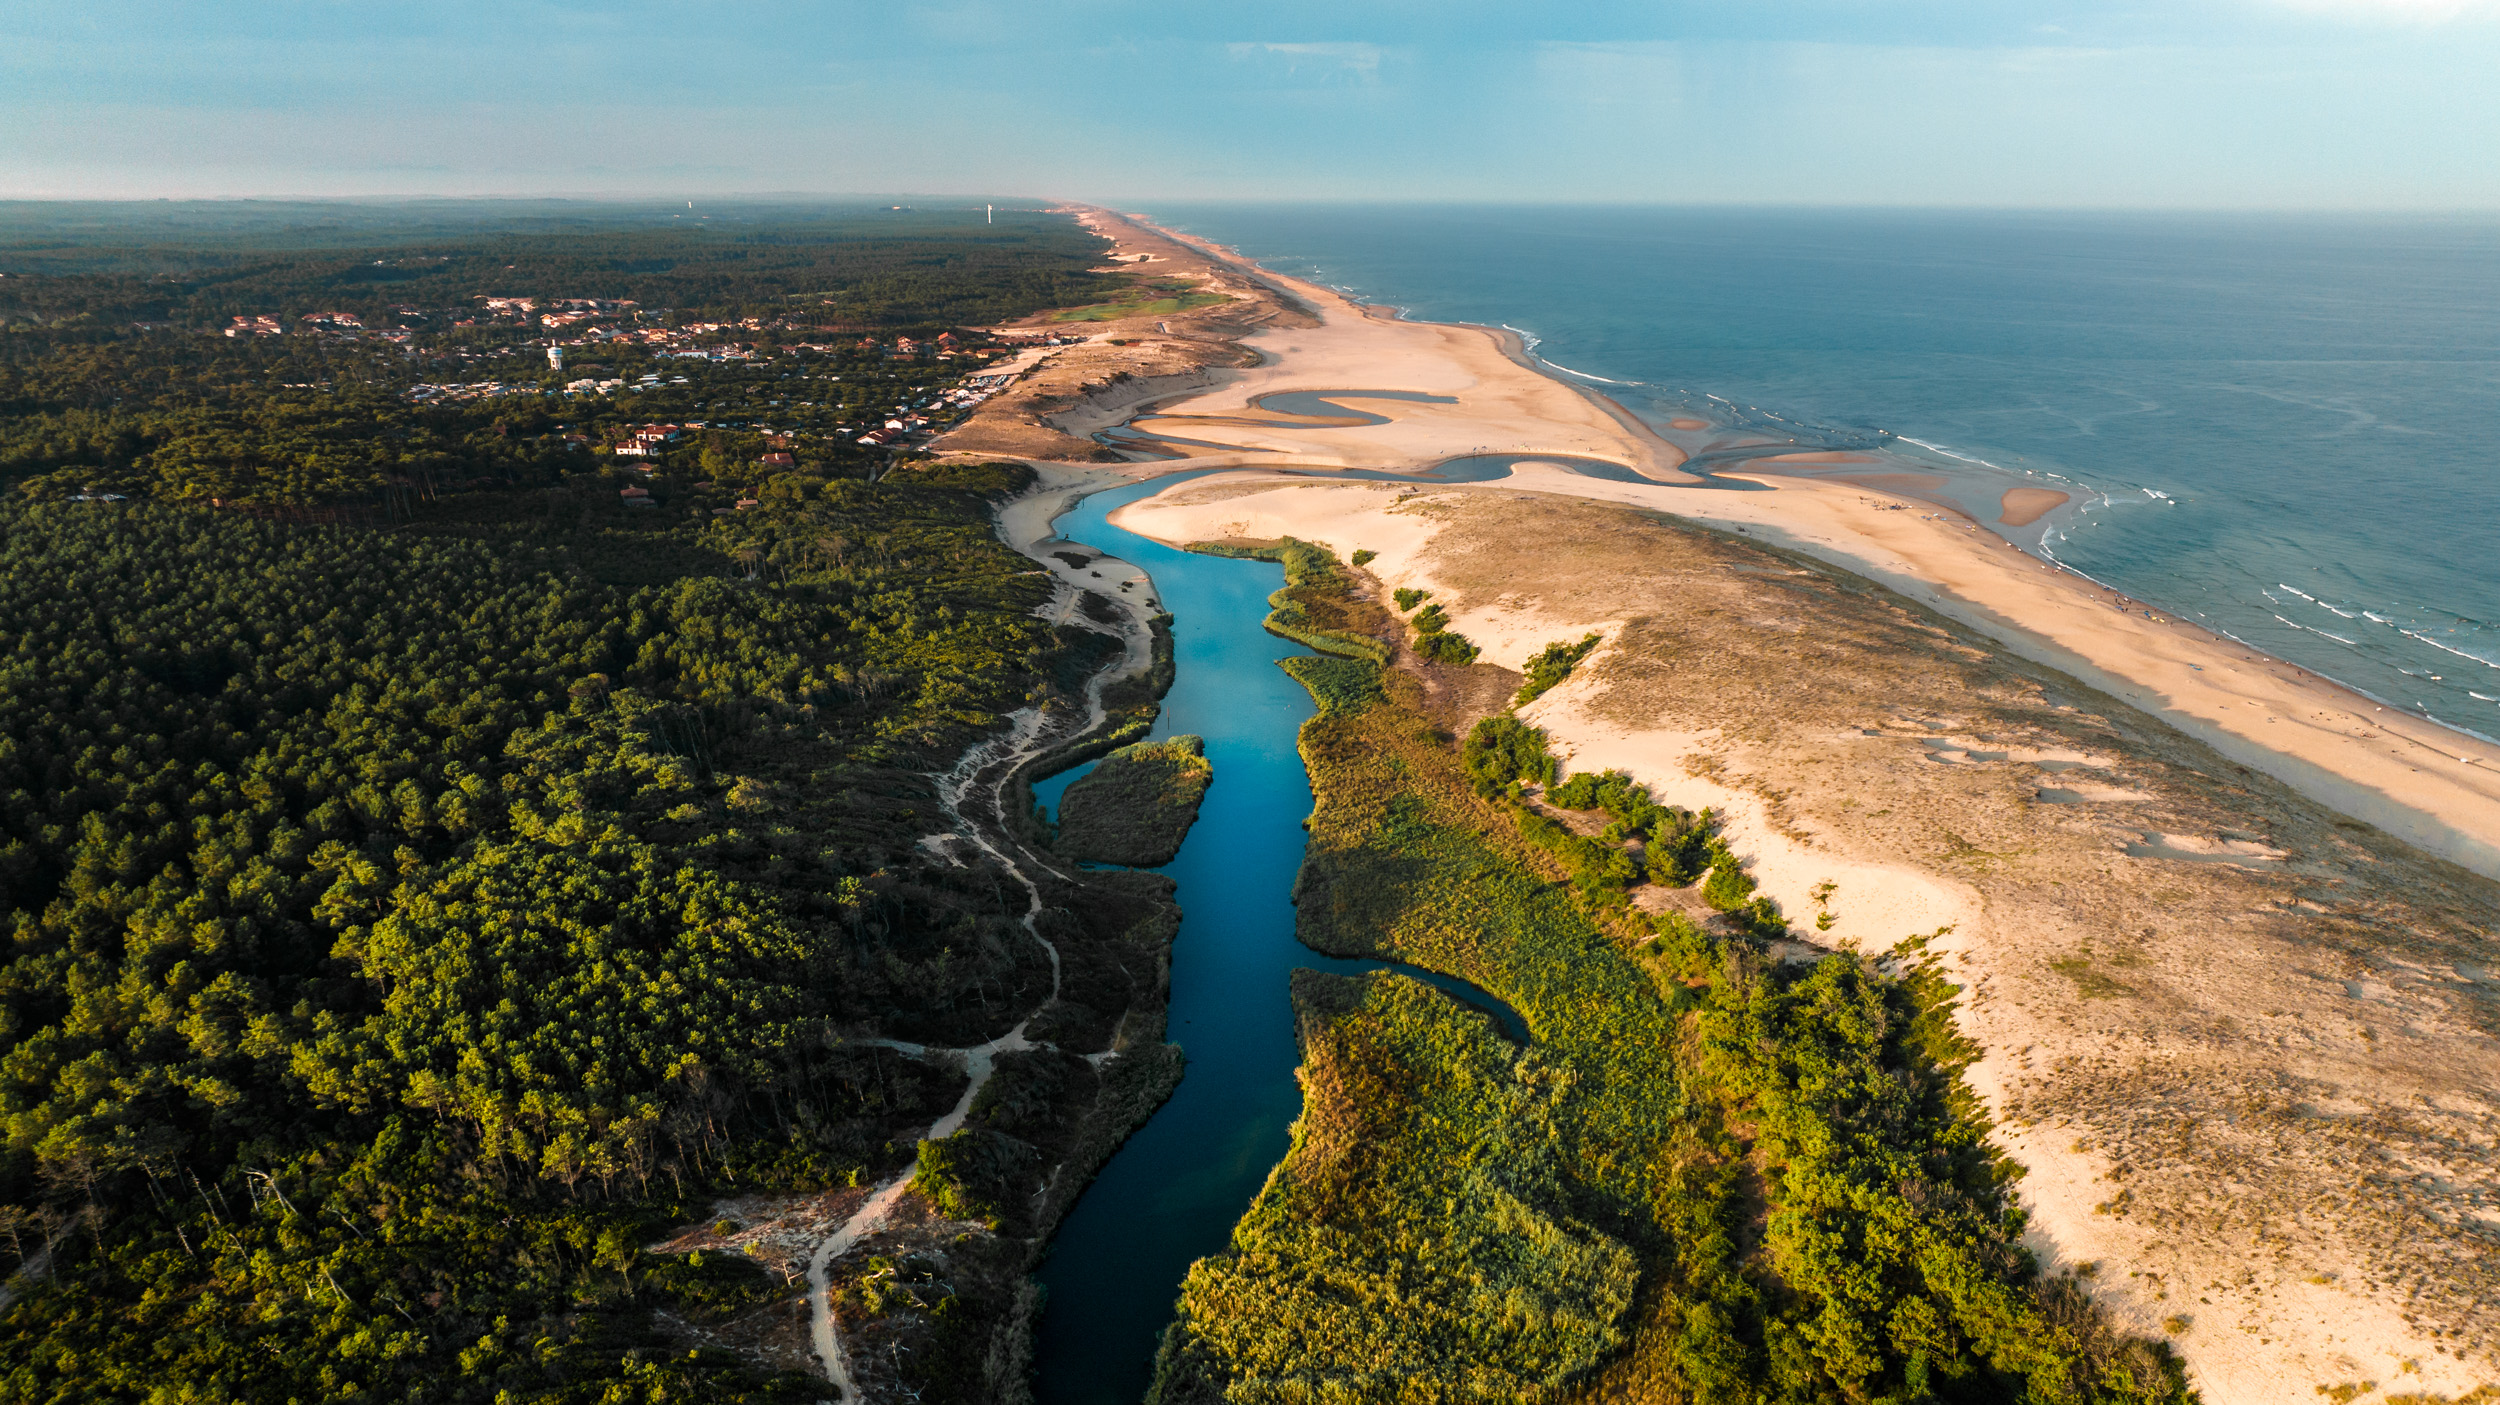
2157	103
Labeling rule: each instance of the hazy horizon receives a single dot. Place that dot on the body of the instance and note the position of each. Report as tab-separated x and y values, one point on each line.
2210	105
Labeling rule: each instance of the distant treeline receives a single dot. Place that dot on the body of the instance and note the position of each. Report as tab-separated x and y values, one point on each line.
113	375
879	267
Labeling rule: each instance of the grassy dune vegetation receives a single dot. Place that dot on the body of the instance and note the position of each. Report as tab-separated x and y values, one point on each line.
1137	805
1311	608
1709	1179
1160	298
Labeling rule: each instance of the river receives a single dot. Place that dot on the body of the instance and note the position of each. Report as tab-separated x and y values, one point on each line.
1173	1192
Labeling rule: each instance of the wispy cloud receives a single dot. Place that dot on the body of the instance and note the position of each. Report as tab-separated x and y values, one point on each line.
1324	63
2399	11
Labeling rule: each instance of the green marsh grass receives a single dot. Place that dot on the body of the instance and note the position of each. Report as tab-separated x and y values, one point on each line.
1709	1178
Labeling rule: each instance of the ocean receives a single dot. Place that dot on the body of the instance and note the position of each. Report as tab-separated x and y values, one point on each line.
2280	427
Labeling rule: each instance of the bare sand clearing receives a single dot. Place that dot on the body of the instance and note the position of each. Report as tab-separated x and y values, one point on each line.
2192	982
2023	506
1822	456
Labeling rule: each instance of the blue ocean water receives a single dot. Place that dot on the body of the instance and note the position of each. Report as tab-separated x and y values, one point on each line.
2281	427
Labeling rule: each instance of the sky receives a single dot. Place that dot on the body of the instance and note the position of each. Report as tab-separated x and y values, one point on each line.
2219	104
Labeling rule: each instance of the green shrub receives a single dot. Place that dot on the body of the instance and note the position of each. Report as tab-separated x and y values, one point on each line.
1409	597
1677	857
1687	950
1451	650
1728	886
1431	619
1503	749
1550	667
1364	556
973	1174
1596	866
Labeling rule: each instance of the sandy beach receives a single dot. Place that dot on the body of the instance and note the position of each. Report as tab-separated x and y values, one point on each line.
2023	506
2433	787
2161	805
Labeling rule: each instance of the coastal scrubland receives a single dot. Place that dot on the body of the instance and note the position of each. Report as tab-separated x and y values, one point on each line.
1137	804
1178	330
2239	1045
1707	1177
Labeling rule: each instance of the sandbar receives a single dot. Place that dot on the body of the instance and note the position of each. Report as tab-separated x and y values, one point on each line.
2024	506
1821	456
1500	403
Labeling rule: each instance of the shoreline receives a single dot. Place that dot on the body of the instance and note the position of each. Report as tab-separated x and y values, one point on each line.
2434	786
1916	738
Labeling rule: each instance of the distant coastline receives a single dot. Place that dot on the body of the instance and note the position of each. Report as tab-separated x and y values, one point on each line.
2204	404
2430	784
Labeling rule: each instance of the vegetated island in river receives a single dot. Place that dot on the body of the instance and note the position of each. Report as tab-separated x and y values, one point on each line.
1137	804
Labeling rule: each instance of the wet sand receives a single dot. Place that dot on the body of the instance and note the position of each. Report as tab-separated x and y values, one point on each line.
2024	506
1822	456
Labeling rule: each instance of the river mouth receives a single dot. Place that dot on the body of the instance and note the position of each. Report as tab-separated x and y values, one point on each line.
1173	1192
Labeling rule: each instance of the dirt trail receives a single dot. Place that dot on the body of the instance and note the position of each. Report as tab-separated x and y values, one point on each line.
972	796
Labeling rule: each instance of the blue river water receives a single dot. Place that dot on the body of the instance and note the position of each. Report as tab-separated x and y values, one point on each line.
1174	1190
2282	427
